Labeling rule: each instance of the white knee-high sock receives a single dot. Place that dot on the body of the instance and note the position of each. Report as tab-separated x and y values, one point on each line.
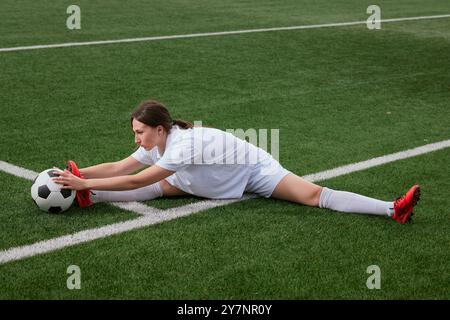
141	194
351	202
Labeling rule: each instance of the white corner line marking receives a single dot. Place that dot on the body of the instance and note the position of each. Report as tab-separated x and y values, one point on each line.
137	207
153	216
211	34
159	216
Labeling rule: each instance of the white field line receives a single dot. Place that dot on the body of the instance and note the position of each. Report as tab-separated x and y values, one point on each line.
155	216
137	207
108	230
328	174
212	34
17	171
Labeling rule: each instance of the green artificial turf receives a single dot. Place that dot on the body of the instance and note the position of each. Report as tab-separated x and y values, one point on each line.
264	249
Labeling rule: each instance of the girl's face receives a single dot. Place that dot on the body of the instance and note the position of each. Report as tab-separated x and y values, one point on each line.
146	136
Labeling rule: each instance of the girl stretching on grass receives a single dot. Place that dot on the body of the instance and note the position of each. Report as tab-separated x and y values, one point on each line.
174	153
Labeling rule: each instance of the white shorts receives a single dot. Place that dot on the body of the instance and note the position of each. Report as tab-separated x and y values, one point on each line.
265	177
260	178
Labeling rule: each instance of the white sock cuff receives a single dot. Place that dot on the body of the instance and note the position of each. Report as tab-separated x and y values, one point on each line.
324	197
158	189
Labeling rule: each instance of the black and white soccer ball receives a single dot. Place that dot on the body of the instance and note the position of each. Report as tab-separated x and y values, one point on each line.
48	195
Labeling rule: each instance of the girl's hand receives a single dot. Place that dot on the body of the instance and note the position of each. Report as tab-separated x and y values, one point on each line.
69	181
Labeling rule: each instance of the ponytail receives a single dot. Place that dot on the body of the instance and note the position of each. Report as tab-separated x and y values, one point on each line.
182	124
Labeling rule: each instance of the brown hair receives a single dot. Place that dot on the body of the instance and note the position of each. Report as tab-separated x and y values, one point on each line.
154	113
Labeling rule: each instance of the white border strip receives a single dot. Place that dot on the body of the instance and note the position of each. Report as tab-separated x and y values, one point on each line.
156	216
211	34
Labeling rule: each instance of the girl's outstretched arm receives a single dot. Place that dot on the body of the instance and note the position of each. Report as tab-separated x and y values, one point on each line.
145	177
112	169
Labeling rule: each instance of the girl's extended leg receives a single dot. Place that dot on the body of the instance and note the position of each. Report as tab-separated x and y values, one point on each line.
296	189
153	191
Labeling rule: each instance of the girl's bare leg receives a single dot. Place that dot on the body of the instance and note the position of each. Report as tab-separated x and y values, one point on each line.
296	189
171	191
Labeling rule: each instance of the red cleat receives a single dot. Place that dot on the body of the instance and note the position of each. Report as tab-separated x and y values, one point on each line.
403	206
83	197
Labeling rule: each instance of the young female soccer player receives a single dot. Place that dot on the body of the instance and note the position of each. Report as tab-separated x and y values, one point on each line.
210	163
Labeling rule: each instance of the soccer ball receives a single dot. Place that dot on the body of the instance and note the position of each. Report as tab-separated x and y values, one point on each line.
48	195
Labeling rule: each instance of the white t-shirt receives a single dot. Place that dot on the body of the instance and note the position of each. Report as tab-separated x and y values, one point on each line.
208	162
